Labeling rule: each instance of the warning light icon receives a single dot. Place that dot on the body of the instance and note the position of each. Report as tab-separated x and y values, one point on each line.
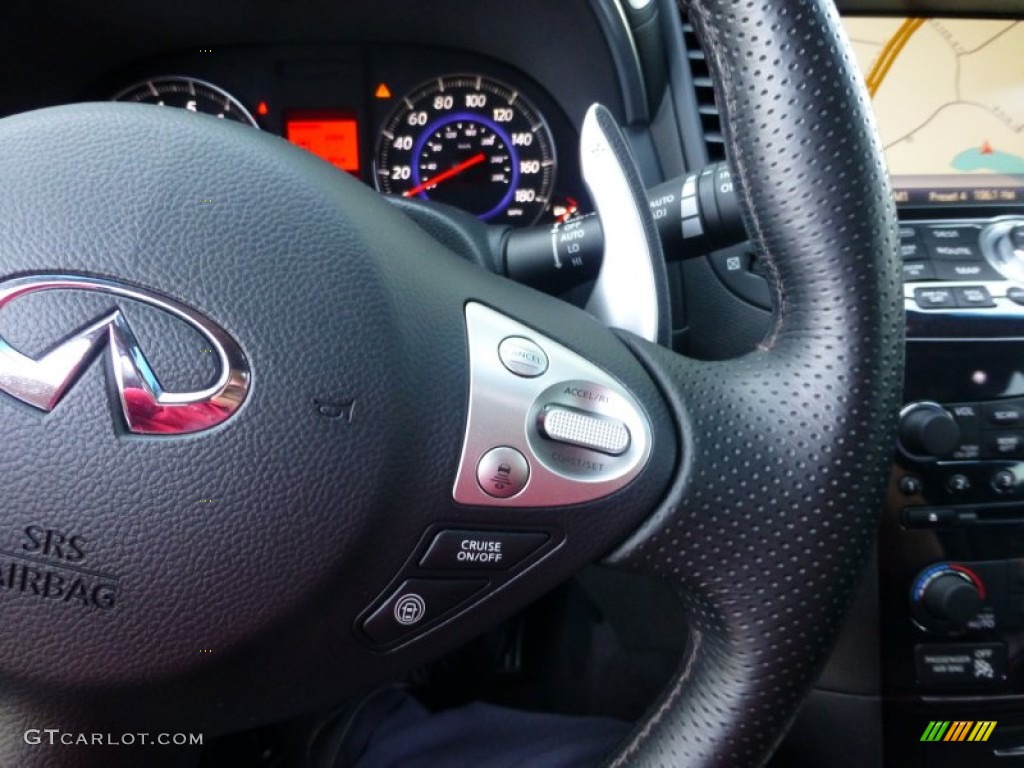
383	92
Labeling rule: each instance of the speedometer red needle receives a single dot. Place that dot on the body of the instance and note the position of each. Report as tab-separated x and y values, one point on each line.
455	170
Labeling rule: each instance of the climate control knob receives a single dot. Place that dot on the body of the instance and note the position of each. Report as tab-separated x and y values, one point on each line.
947	598
928	429
952	598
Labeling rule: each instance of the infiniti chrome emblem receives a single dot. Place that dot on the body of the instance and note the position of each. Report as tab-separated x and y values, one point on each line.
148	409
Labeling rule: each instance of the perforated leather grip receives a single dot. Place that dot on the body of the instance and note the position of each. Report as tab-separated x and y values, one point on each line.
786	450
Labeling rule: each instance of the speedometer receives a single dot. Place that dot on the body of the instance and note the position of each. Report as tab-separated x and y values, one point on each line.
471	142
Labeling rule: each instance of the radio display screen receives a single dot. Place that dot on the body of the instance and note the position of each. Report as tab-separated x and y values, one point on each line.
948	95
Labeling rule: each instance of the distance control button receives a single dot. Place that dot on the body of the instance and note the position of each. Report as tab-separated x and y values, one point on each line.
935	298
502	472
587	430
417	603
480	550
522	357
973	296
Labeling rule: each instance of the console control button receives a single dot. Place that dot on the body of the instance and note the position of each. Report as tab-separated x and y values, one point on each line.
480	550
935	298
502	472
1015	294
417	603
968	449
952	235
911	250
914	271
973	663
1004	445
928	517
973	296
928	429
966	415
522	356
1004	481
1006	413
965	270
958	484
910	485
587	430
968	418
907	232
953	598
954	252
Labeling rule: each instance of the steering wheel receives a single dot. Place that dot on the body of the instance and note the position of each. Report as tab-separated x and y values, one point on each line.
298	396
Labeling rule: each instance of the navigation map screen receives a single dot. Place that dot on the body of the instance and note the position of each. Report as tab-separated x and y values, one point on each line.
949	99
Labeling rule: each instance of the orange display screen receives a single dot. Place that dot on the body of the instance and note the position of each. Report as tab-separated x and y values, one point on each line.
330	134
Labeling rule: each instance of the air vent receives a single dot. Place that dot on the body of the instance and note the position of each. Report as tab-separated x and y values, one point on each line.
710	120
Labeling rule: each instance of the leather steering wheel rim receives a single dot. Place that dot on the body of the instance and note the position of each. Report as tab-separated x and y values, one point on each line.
786	450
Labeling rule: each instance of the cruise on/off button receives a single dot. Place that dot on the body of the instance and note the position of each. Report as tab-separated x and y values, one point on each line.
480	550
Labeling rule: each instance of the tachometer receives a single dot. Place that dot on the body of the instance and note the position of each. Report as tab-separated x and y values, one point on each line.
188	93
471	142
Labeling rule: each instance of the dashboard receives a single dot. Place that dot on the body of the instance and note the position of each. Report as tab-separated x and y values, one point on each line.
418	121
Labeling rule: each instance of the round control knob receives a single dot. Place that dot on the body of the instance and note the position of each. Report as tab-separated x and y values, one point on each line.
928	429
951	598
1017	238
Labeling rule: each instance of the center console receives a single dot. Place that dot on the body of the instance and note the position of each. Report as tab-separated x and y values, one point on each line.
952	539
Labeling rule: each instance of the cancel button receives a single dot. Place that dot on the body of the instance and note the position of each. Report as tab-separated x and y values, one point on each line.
480	550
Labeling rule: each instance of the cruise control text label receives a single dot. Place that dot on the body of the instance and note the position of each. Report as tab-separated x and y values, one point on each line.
479	551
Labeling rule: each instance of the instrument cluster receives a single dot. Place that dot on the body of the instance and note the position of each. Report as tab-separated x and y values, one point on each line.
429	123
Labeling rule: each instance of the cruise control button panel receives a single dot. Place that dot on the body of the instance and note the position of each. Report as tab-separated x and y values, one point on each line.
567	434
451	572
